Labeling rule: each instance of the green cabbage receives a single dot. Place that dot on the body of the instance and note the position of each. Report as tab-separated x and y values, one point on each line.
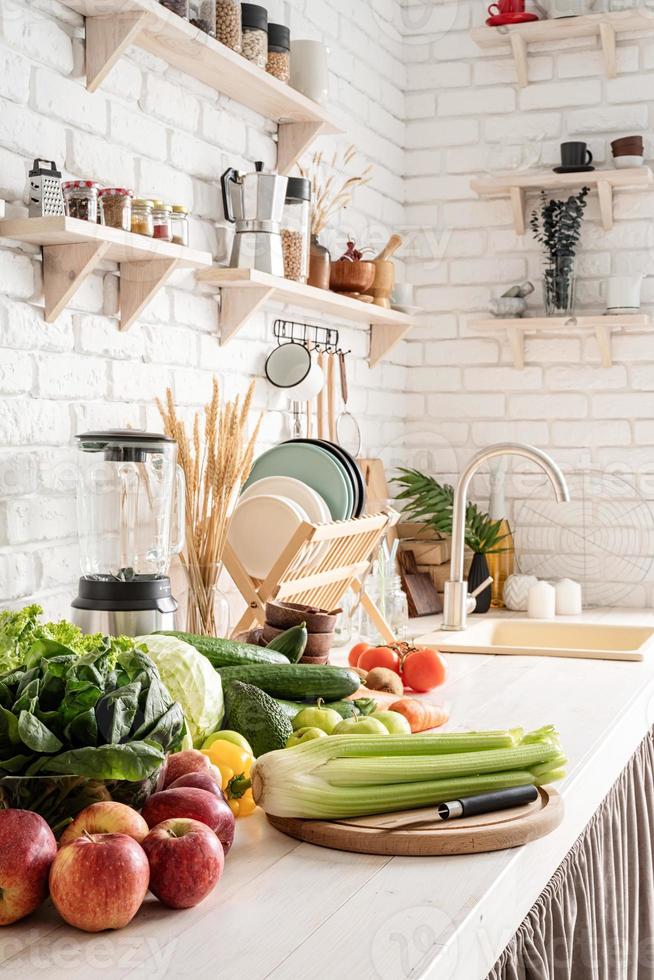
191	681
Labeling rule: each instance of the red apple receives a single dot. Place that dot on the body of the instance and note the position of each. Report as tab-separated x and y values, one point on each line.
180	763
186	862
27	849
195	804
99	881
106	818
199	780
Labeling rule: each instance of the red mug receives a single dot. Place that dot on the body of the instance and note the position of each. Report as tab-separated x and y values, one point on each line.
503	7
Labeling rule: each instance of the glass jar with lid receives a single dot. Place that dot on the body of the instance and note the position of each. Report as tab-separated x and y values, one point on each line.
296	229
179	220
162	219
229	29
179	7
255	34
81	199
116	207
279	52
142	223
202	14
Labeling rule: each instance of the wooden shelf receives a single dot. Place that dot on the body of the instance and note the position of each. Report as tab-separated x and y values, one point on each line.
244	291
603	25
112	25
516	185
601	324
72	249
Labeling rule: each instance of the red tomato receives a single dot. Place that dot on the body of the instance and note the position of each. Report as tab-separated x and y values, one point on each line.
379	657
424	670
355	653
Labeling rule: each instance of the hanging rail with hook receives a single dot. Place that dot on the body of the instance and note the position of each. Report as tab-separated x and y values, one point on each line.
325	339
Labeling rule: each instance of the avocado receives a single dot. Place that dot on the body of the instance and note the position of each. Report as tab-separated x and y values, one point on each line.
257	716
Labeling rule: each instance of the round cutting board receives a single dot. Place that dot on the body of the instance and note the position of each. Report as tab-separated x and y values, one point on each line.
416	833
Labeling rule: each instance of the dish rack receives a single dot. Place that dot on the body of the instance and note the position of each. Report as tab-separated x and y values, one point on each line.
348	546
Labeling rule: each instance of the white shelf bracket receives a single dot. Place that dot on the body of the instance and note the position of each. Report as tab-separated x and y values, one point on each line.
607	39
605	195
139	281
516	337
237	306
293	139
519	48
603	335
517	195
65	267
106	40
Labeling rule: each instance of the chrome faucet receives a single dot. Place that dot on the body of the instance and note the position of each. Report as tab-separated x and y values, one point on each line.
456	601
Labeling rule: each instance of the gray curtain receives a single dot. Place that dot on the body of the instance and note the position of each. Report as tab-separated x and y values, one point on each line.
595	918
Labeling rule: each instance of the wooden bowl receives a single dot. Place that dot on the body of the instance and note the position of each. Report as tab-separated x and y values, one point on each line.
351	277
318	644
284	615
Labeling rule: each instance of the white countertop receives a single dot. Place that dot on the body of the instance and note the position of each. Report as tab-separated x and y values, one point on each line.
285	909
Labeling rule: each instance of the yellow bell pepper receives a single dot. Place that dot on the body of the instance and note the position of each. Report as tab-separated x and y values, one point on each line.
234	764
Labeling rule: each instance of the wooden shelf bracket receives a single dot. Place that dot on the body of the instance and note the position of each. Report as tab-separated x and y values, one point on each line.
293	139
65	267
106	40
603	335
605	195
518	206
383	338
139	281
237	306
519	48
607	40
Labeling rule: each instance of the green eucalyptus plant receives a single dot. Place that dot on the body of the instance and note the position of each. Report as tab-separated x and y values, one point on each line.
556	226
432	503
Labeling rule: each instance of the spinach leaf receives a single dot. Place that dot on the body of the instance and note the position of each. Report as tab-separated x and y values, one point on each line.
167	730
79	698
8	728
83	730
34	734
132	761
28	698
153	703
16	765
116	711
6	697
30	679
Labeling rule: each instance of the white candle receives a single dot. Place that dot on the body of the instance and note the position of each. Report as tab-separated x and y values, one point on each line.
568	597
541	602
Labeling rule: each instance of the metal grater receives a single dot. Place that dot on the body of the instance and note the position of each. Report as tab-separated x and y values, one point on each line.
44	189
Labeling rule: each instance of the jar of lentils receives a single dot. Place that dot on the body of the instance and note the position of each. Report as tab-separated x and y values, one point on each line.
279	52
81	199
142	221
162	220
296	229
116	207
179	7
255	34
229	30
179	219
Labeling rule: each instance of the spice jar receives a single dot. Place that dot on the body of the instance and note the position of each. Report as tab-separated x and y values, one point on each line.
81	199
296	229
228	24
180	224
279	52
179	7
162	219
116	207
255	34
202	14
142	222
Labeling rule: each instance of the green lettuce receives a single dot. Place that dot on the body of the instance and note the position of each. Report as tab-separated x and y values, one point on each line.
21	633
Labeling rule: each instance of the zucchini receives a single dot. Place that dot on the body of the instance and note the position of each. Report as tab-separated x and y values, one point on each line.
291	643
225	653
296	682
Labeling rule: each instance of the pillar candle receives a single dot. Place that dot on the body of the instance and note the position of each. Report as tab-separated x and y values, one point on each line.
541	603
568	597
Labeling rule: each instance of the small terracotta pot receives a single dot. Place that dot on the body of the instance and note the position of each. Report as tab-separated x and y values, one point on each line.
628	146
284	615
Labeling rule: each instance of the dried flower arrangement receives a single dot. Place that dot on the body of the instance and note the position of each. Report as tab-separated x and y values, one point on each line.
328	195
216	459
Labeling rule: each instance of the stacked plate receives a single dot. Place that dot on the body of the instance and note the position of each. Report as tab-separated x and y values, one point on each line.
304	480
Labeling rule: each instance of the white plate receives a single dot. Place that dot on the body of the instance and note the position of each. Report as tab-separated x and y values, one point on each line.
306	497
260	530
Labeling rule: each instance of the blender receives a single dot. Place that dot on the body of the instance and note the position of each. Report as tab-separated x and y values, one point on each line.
255	204
130	510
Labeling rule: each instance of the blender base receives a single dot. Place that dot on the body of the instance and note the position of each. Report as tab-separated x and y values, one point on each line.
116	608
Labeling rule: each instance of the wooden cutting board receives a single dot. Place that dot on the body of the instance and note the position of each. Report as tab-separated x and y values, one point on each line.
377	491
416	833
421	593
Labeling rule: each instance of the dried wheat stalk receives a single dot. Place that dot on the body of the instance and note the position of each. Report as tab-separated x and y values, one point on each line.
216	459
327	198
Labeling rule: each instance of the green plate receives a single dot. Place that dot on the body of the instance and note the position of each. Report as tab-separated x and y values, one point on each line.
313	466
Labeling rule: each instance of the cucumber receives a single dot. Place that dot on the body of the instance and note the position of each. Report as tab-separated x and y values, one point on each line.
291	643
225	653
296	682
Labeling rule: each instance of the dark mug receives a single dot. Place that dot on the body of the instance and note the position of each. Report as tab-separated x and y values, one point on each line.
575	155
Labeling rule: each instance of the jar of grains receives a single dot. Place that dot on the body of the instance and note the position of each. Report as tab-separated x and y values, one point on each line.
228	24
142	222
202	14
179	7
180	224
255	34
279	52
81	199
296	229
162	219
116	207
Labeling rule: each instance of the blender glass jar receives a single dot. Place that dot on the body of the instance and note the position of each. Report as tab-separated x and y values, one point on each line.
296	229
128	486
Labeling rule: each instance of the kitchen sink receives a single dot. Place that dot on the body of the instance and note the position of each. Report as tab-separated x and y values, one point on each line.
544	638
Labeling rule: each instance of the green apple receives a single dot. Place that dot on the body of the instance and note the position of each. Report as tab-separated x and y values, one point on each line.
393	721
227	736
325	718
304	735
360	726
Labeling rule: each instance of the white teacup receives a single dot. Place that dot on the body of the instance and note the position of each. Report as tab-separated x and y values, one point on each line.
622	163
402	294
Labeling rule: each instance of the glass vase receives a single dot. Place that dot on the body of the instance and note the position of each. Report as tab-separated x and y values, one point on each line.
559	286
206	605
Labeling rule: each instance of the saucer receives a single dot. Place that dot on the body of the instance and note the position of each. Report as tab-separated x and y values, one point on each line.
409	310
573	170
622	311
499	20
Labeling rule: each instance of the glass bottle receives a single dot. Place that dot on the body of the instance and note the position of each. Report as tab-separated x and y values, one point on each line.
180	224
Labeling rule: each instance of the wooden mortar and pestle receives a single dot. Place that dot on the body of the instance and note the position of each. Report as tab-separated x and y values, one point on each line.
384	281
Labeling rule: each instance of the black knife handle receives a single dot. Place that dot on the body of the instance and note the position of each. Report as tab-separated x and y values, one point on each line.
501	799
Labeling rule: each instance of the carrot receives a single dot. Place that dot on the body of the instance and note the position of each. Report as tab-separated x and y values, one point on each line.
421	715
